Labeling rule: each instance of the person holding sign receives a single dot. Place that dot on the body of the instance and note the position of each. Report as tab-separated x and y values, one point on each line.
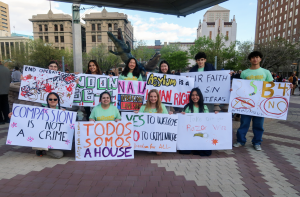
196	105
202	65
105	111
131	71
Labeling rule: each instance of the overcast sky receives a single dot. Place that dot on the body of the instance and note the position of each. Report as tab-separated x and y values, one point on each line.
147	26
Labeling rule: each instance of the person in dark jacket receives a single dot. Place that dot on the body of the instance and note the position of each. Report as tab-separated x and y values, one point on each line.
202	65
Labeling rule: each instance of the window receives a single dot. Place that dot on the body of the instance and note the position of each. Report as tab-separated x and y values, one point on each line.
276	12
61	27
99	39
259	27
270	30
276	21
259	35
57	48
290	23
279	35
291	14
296	12
115	26
62	39
267	32
3	11
262	5
109	40
263	34
262	41
270	38
258	41
279	19
292	5
283	25
297	2
4	19
40	28
93	38
265	11
260	13
109	27
264	18
55	28
295	31
276	4
56	39
272	15
3	15
62	48
260	20
99	27
109	48
266	39
93	27
268	17
294	39
274	29
267	24
41	37
279	27
295	22
285	9
281	2
289	32
280	10
264	26
285	17
271	23
268	9
46	39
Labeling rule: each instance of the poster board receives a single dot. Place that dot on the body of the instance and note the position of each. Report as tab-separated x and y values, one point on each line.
39	82
204	131
153	132
104	140
214	85
41	127
260	98
89	88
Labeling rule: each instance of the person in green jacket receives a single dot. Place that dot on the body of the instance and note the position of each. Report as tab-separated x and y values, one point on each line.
131	71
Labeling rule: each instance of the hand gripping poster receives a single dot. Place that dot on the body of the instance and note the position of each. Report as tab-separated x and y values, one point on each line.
39	82
260	98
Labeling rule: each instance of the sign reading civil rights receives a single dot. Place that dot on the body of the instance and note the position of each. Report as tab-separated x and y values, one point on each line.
104	140
153	132
204	131
214	85
41	127
260	98
89	88
174	90
39	82
131	95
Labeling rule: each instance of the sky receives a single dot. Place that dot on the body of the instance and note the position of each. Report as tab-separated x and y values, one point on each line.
147	26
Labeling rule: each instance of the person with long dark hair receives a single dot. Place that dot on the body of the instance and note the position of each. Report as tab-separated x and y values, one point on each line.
131	71
164	67
196	105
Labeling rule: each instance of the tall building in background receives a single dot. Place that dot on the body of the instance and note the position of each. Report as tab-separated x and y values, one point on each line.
4	18
216	21
277	18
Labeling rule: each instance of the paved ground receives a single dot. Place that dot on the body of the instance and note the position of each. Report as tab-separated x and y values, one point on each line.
275	171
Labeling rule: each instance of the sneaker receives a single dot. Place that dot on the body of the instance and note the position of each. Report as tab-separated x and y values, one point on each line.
237	144
257	147
57	154
39	153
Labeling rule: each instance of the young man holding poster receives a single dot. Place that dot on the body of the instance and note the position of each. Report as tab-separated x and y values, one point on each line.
255	72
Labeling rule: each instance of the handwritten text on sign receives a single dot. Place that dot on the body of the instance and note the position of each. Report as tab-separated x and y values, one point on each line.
131	95
41	127
173	90
260	98
153	132
39	82
104	140
90	87
214	85
204	131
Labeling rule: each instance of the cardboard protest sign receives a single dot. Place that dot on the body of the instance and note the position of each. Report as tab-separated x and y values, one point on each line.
39	82
89	88
131	95
214	85
174	90
204	131
153	132
41	127
260	98
104	140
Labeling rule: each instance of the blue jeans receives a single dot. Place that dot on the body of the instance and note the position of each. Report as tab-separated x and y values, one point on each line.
257	128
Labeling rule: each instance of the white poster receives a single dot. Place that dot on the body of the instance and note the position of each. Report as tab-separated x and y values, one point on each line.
204	131
214	85
104	140
131	95
153	132
39	82
260	98
41	127
174	90
89	88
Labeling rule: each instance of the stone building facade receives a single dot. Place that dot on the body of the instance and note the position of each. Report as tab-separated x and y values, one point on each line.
4	17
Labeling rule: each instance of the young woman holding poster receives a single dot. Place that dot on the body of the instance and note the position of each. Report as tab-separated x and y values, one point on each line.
131	71
105	111
154	105
196	105
53	102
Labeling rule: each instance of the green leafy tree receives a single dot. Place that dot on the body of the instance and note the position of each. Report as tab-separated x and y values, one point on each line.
171	48
178	60
141	52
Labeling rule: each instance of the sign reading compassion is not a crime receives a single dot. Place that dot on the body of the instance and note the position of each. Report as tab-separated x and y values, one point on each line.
41	127
39	82
104	140
214	85
153	132
174	90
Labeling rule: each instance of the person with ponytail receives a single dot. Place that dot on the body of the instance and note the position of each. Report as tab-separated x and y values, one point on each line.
131	71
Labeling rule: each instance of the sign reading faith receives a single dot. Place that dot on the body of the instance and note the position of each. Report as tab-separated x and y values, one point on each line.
131	95
90	87
104	140
153	132
174	90
214	85
41	127
204	131
260	98
39	82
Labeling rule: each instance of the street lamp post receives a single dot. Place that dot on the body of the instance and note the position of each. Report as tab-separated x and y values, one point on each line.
77	47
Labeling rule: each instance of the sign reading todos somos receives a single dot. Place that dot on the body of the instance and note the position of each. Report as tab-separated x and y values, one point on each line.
104	140
214	85
90	87
153	132
260	98
41	127
174	90
204	131
39	82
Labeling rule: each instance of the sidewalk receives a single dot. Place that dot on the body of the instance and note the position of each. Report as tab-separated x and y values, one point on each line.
274	171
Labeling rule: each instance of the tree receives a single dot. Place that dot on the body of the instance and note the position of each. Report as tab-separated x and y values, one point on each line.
171	48
244	49
140	51
178	60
